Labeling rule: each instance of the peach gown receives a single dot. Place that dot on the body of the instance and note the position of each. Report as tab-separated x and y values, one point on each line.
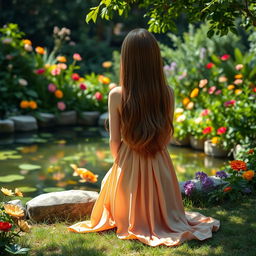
141	198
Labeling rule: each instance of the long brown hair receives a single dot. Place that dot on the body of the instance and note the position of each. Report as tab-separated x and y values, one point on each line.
146	121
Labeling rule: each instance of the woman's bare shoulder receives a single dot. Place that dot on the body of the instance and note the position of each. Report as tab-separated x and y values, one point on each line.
115	95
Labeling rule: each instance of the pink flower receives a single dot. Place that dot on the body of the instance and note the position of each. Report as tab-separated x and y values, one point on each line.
239	66
207	130
83	87
52	87
221	130
212	89
238	81
225	57
40	71
75	76
229	103
56	71
62	66
77	57
218	92
61	105
205	112
98	96
209	65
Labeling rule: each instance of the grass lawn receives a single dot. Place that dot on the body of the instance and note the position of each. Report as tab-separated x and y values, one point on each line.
236	237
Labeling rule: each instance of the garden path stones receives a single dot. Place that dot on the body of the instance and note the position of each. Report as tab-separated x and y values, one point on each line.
46	119
89	118
64	205
24	123
67	118
103	117
6	126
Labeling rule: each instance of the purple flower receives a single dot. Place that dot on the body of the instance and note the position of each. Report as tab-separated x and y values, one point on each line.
189	186
201	176
207	183
221	174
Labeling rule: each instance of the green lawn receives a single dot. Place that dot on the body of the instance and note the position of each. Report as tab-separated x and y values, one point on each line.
236	237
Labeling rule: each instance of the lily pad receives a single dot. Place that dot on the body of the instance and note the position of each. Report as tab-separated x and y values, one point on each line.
27	189
29	167
53	189
11	178
15	157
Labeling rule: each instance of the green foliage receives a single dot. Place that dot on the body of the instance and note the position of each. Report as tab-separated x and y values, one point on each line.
221	14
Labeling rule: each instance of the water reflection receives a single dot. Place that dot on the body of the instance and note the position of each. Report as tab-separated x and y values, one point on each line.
40	162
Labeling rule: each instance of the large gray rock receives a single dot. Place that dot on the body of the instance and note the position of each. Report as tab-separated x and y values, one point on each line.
89	118
67	118
214	150
46	119
102	119
197	144
6	126
64	205
24	123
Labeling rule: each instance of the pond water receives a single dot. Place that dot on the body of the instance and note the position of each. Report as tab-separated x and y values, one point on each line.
40	162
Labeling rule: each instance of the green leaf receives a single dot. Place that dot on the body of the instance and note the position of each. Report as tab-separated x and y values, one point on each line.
29	167
53	189
11	178
238	55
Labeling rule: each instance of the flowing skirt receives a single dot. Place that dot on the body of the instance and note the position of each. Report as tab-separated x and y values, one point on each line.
141	198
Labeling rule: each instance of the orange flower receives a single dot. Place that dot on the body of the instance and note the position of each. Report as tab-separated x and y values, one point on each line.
227	189
18	192
185	101
13	210
231	87
194	93
248	175
26	41
58	94
24	104
239	76
238	165
7	192
23	225
106	64
103	79
251	151
238	91
40	50
61	59
32	104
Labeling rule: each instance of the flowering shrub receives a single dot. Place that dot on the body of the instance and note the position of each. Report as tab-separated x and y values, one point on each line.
11	224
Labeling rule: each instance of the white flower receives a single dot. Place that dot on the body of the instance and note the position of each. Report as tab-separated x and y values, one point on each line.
23	82
198	120
28	48
179	110
181	118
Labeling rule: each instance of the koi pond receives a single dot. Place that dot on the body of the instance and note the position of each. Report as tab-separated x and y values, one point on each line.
40	162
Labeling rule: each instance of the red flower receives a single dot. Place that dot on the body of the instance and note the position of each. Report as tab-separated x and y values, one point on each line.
40	71
83	87
229	103
238	165
221	130
209	65
98	96
205	112
225	57
251	151
5	226
227	189
254	89
75	76
207	130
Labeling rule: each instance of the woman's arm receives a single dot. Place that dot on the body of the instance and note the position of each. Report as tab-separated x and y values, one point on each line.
114	100
172	99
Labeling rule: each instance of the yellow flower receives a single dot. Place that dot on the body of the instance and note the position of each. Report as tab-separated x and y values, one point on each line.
104	79
215	140
238	91
106	64
185	101
40	50
248	175
32	104
194	93
13	210
222	79
24	104
26	41
81	79
58	94
239	76
231	87
18	192
23	225
7	192
190	105
61	59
